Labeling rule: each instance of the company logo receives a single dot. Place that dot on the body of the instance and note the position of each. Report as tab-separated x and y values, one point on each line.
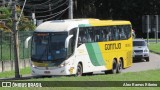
113	46
6	84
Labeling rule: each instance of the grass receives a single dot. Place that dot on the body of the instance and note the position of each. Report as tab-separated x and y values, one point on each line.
154	47
9	74
151	75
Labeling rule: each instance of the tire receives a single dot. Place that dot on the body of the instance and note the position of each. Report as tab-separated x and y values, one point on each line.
119	66
147	59
107	72
79	70
114	67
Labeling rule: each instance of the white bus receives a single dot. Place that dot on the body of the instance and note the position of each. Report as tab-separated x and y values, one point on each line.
80	47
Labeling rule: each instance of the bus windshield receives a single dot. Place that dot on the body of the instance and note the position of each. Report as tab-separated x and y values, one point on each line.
49	46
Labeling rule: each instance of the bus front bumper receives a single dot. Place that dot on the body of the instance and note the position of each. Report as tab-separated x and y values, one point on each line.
50	72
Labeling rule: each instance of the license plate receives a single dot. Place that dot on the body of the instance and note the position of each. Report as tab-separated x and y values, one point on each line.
47	72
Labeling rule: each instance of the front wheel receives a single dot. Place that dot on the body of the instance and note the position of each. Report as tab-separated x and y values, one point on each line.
79	70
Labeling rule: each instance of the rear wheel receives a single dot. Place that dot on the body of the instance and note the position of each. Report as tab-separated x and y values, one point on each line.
79	70
119	66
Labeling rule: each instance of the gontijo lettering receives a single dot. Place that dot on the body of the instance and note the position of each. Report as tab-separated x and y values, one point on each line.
112	46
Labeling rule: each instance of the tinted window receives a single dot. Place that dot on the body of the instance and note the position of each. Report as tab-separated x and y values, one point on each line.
103	33
139	43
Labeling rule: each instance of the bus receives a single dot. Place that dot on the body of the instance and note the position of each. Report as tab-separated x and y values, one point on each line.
80	47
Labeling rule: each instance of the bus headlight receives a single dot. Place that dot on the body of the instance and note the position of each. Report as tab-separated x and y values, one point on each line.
34	66
63	64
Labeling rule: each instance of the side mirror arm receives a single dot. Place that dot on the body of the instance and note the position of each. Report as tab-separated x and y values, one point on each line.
26	41
67	40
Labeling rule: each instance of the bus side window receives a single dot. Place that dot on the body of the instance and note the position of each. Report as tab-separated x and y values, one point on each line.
104	34
101	34
72	41
107	33
128	31
122	33
89	35
117	35
96	37
70	47
81	37
113	33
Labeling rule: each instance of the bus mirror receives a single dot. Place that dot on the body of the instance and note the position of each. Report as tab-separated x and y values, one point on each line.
26	41
67	40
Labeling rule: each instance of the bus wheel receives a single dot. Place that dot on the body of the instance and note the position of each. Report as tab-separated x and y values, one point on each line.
79	70
119	66
114	67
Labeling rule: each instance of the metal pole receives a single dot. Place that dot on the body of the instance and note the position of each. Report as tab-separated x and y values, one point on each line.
50	8
1	44
70	11
157	23
148	29
16	44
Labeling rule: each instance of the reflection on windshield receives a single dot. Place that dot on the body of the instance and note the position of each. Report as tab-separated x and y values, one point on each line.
139	43
48	46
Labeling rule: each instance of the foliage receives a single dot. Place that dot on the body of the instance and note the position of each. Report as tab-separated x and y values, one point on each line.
5	13
117	9
131	10
24	25
8	74
154	47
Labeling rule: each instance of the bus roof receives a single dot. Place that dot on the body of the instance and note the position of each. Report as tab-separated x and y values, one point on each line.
68	24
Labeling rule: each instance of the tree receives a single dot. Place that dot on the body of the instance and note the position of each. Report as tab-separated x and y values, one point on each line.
6	20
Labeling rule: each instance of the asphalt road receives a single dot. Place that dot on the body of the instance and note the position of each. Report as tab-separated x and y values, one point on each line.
137	66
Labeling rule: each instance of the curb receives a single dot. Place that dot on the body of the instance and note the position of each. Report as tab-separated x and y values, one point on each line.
154	52
21	78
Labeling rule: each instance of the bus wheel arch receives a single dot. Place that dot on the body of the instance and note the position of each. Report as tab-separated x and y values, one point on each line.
79	70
